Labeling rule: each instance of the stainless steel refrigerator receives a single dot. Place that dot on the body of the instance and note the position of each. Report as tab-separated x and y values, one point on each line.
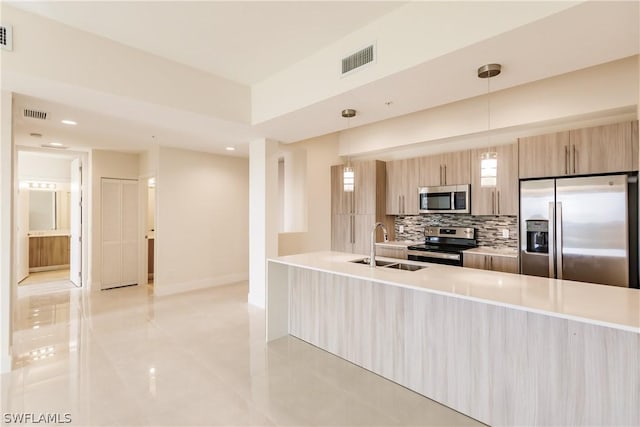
582	228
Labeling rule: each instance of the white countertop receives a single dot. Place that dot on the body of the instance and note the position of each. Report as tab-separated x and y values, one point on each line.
484	250
609	306
399	243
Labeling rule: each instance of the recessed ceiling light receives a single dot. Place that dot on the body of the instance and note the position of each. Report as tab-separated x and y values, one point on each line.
56	144
36	135
68	122
230	148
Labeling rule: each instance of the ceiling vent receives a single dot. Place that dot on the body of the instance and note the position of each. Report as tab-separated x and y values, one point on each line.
35	114
53	147
358	59
6	37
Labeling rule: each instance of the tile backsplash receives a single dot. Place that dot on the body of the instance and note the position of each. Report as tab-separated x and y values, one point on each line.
488	228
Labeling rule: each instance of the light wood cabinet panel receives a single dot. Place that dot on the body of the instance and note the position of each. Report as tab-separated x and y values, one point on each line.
474	261
491	262
392	252
503	198
601	149
544	155
341	201
402	187
48	251
445	169
355	213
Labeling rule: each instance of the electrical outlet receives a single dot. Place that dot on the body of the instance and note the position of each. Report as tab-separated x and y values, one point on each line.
401	229
505	233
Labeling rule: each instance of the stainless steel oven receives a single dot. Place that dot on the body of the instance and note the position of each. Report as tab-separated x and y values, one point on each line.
445	199
443	245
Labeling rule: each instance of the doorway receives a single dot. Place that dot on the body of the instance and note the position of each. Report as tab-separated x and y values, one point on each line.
49	218
150	230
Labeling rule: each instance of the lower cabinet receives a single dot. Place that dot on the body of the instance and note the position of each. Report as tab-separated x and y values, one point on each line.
399	252
507	264
48	251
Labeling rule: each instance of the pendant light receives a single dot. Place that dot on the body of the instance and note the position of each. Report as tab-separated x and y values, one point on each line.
348	175
489	159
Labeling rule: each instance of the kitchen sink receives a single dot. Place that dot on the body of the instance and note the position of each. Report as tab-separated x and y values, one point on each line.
390	264
406	267
378	263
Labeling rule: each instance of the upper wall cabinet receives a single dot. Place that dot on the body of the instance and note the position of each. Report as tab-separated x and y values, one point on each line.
600	149
501	198
445	169
402	187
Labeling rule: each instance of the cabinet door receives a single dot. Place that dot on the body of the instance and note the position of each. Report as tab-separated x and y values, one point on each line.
601	149
342	233
457	168
362	233
341	201
395	186
506	196
503	263
634	145
544	155
482	198
392	252
365	187
410	191
431	171
474	261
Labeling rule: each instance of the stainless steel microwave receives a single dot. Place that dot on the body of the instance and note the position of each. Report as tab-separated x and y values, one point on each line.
445	199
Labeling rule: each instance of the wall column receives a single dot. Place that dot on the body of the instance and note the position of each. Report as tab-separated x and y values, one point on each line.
263	214
6	228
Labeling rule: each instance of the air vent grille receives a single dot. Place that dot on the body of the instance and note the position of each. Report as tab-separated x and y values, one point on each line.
35	114
6	37
358	59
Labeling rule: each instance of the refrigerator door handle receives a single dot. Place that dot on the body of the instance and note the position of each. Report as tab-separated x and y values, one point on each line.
558	239
552	237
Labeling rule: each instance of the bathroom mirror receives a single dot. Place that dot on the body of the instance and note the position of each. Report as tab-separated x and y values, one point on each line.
48	210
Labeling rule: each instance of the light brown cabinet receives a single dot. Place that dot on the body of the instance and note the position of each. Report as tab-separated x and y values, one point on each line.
599	149
491	262
48	251
354	213
402	187
445	169
399	252
501	199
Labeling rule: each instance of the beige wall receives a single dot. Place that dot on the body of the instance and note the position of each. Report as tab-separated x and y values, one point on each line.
105	164
202	220
321	154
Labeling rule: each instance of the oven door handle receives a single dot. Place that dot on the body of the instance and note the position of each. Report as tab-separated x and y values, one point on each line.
440	255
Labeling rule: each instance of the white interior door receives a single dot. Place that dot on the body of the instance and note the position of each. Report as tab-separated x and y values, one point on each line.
23	234
119	233
75	223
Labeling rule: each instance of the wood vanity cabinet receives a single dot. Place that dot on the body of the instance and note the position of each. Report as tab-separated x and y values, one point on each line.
402	187
354	213
599	149
445	169
48	251
491	262
503	199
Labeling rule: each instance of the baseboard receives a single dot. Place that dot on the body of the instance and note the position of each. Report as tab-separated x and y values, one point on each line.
160	289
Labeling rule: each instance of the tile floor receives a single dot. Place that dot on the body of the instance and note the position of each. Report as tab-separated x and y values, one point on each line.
123	357
45	277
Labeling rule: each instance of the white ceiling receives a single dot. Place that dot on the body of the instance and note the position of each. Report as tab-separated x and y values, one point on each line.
243	41
248	41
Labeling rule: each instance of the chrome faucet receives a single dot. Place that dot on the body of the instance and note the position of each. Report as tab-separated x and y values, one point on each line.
372	259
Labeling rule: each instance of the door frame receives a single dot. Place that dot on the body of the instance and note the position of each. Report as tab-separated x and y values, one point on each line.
86	206
143	255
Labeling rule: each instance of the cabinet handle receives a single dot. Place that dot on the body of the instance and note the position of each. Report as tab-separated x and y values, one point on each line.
445	174
498	197
574	158
404	208
566	160
399	204
440	174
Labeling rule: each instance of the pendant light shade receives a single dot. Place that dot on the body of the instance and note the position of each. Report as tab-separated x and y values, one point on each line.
489	159
348	174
